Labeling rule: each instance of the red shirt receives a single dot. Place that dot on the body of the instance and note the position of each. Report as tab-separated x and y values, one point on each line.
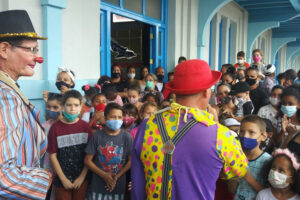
64	135
245	64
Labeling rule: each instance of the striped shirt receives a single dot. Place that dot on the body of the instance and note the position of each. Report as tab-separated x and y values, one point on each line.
22	142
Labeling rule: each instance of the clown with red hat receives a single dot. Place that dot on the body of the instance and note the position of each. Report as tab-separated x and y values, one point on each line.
22	138
180	152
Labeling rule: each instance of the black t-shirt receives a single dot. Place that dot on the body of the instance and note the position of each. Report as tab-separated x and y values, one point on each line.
120	86
294	146
248	108
259	99
110	155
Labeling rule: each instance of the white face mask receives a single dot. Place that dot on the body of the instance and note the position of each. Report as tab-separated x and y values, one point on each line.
133	101
274	101
131	75
238	101
240	61
277	180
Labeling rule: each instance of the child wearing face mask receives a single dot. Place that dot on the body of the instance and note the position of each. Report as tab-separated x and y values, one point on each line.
133	96
242	100
290	122
130	116
65	81
252	133
53	113
283	176
257	56
68	138
89	93
108	156
241	61
111	94
95	117
271	110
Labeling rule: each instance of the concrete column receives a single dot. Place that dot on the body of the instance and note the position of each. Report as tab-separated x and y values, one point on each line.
225	44
215	43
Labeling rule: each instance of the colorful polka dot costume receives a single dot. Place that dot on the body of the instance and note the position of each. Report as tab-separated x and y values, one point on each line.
152	153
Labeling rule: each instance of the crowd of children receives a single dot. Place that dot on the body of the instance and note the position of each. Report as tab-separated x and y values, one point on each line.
91	136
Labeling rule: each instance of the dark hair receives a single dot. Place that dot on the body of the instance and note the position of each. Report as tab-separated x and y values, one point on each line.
55	96
109	90
146	104
170	74
230	68
71	94
290	74
144	67
291	91
89	90
257	120
110	107
230	74
135	87
253	67
224	84
130	109
152	94
277	87
181	58
280	76
97	95
241	54
298	74
295	173
128	68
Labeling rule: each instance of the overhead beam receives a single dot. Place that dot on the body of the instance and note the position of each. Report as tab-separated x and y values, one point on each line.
296	4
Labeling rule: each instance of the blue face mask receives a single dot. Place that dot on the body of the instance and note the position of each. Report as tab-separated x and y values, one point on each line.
150	84
70	117
114	124
61	83
52	114
288	110
248	143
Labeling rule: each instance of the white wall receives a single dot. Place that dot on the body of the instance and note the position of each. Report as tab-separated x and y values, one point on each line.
81	38
282	58
182	30
231	14
34	9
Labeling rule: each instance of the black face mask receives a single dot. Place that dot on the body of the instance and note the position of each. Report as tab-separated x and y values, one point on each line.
115	75
225	100
240	77
61	83
160	77
251	81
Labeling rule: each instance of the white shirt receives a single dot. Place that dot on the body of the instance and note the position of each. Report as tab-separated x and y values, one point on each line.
267	194
159	86
268	112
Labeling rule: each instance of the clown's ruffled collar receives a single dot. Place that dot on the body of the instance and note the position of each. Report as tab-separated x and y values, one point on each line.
200	115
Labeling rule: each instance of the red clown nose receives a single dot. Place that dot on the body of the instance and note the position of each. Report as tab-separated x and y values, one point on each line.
39	59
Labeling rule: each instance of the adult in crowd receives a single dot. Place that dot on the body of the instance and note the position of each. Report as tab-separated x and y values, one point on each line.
130	81
116	79
186	134
160	74
144	72
22	139
257	56
151	81
258	97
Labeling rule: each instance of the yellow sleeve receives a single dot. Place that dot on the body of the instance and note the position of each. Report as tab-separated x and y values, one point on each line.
231	153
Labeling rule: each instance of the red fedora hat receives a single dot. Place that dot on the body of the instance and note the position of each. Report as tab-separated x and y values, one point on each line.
193	76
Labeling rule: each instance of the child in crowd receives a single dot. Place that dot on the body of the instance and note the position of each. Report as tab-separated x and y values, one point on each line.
281	78
269	82
153	97
227	68
65	80
242	100
95	117
89	93
252	133
148	109
271	110
53	113
283	176
130	116
229	78
111	94
67	140
290	123
241	64
233	125
257	56
268	145
170	76
133	94
241	75
108	156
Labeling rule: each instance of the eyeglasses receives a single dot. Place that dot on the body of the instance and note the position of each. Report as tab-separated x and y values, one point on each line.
33	50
